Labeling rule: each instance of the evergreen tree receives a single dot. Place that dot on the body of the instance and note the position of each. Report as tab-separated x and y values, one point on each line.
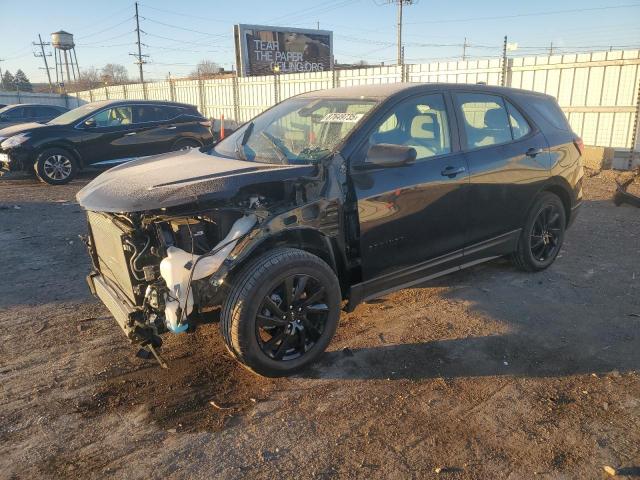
22	82
7	81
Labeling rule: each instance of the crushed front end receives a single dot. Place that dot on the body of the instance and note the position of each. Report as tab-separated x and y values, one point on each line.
153	271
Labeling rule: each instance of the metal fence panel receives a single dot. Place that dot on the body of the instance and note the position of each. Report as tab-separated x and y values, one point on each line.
597	90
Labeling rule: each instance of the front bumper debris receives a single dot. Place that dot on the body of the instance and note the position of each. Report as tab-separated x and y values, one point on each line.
118	304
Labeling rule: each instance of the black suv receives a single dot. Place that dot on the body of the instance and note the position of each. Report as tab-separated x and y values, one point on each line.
336	195
101	133
29	112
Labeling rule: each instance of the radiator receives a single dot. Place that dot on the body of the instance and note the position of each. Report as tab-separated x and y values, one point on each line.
109	247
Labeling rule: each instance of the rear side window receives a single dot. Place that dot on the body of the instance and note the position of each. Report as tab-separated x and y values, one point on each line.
551	112
519	126
486	120
15	113
148	113
47	112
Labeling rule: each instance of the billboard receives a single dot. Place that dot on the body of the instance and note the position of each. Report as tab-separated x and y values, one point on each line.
264	50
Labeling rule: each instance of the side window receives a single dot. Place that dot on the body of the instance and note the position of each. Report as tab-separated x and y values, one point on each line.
113	117
519	126
15	113
420	123
148	113
551	112
485	119
47	112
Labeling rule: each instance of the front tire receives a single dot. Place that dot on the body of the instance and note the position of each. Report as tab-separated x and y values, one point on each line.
542	236
55	166
281	312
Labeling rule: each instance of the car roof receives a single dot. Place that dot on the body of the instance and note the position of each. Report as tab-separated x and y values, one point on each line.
381	92
34	105
107	103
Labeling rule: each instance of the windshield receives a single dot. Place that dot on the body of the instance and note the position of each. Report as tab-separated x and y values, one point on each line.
74	115
299	130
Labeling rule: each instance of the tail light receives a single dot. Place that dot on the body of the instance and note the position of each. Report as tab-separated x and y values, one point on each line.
579	145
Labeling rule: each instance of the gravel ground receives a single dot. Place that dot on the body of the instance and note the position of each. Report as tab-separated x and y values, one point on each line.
485	374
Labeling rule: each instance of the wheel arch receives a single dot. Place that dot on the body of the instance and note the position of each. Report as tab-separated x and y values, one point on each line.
308	239
187	139
59	144
562	191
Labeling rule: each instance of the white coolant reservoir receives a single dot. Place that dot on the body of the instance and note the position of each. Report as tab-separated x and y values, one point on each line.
175	269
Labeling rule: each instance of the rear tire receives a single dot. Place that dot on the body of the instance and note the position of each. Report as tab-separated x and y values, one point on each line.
185	144
542	235
281	312
55	166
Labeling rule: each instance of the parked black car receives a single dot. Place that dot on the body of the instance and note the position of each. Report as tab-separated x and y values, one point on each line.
29	112
336	195
101	132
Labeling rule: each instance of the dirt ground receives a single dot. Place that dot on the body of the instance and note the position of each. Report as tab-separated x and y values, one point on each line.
486	374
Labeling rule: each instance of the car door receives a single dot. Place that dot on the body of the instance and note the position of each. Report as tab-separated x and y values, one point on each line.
508	160
152	132
412	218
106	135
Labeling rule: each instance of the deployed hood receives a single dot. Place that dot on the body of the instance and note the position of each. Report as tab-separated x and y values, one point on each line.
178	178
20	128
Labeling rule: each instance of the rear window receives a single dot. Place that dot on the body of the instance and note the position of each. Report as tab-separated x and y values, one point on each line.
551	112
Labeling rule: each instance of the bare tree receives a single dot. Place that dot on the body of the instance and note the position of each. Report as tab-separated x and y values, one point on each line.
205	69
114	74
89	78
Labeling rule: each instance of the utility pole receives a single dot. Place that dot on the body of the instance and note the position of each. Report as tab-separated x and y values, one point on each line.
464	49
400	4
551	49
503	80
317	25
44	56
140	62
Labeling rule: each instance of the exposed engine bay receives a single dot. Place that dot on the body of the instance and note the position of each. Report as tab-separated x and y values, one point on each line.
164	261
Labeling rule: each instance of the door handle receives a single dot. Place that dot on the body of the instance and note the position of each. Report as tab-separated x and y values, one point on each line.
130	134
452	171
171	128
532	152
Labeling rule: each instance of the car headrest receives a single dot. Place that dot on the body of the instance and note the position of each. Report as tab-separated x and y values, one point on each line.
495	119
425	126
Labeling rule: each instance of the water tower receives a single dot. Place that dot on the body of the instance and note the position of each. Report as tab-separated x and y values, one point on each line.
65	57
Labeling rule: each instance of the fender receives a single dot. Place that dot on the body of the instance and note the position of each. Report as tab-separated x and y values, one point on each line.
313	227
57	143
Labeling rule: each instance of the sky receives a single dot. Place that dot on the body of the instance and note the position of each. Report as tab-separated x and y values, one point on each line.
178	34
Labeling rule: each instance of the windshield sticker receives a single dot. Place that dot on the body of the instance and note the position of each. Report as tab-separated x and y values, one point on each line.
342	117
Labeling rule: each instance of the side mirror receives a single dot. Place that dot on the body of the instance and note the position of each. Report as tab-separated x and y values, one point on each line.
388	155
3	118
89	123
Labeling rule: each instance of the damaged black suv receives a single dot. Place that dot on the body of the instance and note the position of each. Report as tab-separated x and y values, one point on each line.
326	200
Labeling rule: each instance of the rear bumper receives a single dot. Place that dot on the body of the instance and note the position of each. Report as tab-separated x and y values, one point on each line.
117	303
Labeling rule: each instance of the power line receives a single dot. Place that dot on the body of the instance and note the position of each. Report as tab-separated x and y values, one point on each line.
519	15
227	22
183	28
93	34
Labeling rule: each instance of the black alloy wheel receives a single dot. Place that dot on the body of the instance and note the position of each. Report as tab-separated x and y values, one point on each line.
542	234
292	318
281	311
546	233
